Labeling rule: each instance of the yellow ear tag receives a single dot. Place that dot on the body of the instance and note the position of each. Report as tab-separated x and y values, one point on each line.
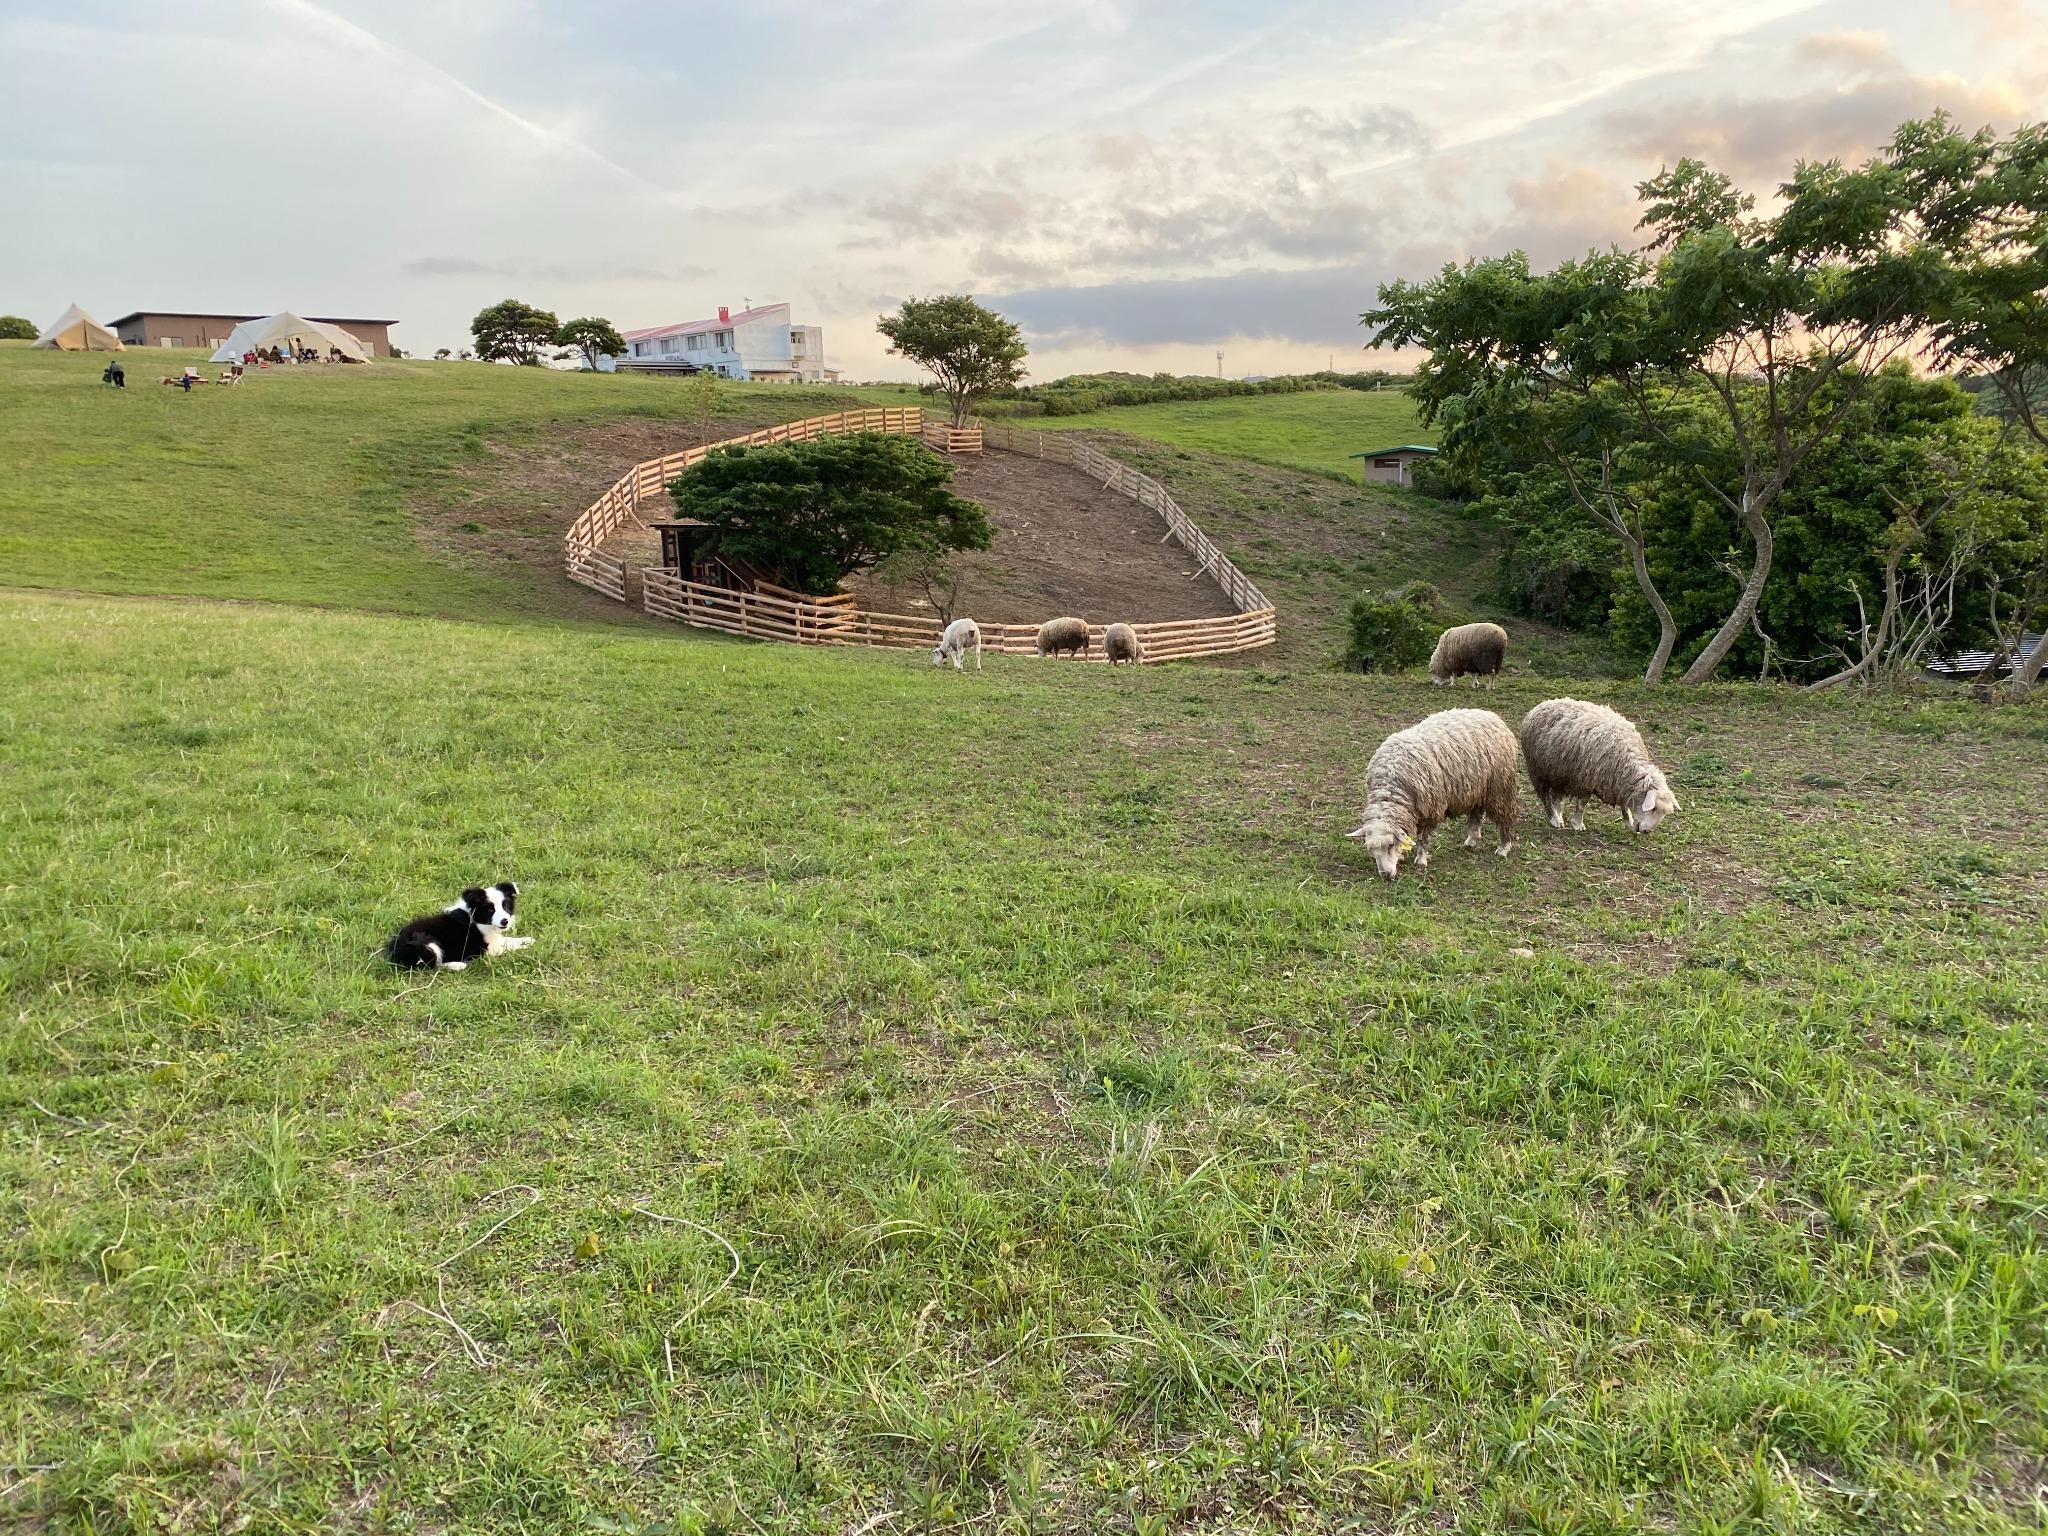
1407	843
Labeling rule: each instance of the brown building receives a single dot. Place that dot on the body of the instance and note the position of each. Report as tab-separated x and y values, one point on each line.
159	328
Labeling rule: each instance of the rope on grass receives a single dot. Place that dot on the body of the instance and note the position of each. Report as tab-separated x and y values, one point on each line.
667	1350
478	1356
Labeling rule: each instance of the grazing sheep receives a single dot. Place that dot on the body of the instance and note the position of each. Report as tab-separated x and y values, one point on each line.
953	644
1458	762
1476	648
1120	643
1578	751
1068	635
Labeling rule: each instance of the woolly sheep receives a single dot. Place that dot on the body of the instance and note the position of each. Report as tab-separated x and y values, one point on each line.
1063	635
1578	751
1458	762
1120	643
953	644
1476	648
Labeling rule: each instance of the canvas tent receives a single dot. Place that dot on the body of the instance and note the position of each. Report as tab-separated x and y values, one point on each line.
280	329
76	331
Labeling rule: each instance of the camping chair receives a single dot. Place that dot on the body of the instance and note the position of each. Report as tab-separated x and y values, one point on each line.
232	376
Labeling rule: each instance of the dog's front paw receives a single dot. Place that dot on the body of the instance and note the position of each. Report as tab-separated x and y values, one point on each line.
454	965
520	943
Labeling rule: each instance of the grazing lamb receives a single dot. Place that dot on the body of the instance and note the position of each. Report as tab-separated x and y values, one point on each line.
1120	643
1476	648
1067	635
1458	762
1578	751
953	644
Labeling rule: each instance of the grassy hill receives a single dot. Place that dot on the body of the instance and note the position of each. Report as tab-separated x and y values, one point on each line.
299	485
937	1103
1316	431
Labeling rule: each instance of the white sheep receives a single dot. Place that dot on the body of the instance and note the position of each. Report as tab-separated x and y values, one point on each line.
1120	643
953	644
1479	649
1458	762
1578	751
1068	635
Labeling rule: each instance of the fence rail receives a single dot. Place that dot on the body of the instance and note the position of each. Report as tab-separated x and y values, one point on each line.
776	613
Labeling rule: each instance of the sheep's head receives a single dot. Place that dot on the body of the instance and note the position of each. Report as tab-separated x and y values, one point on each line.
1387	844
1653	805
939	654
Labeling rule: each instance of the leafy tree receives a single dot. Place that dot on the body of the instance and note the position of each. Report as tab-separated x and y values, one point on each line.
1988	201
1775	321
813	512
591	336
510	331
14	328
442	354
1389	631
973	351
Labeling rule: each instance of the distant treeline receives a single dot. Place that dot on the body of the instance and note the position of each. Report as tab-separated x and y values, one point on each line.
1081	393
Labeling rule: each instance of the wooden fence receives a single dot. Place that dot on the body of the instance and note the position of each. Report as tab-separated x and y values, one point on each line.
775	613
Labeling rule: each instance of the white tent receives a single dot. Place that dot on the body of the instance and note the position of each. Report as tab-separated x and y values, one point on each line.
280	330
76	331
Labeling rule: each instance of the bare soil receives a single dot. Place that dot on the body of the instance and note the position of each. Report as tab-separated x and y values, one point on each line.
1063	545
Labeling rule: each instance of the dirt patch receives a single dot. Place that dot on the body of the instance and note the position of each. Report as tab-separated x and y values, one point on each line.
1063	545
510	500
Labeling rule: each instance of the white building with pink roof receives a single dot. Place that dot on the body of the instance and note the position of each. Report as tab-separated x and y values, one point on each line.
758	343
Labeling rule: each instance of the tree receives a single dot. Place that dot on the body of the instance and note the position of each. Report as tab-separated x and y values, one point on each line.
697	399
442	354
814	512
1502	381
591	336
1989	202
1779	320
973	351
512	332
14	328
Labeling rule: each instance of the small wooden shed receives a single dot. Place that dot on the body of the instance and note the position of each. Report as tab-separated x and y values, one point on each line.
1393	465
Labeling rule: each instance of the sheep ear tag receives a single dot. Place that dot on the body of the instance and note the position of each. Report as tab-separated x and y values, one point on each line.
1407	843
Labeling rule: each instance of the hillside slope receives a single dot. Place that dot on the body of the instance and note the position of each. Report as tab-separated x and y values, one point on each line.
1318	430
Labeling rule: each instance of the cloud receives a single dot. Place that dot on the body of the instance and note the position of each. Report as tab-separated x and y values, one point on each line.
1759	139
1319	305
1382	128
1563	213
546	272
1849	50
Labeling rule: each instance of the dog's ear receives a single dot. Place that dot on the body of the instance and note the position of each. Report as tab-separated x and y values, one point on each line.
508	887
475	899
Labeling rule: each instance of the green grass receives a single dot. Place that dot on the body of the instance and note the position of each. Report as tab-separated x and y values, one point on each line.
1102	1146
295	486
1315	431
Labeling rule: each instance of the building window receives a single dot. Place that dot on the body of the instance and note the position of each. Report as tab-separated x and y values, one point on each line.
694	343
1386	463
639	349
796	340
723	341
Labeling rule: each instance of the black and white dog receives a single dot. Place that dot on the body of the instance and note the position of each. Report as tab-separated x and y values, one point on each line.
476	925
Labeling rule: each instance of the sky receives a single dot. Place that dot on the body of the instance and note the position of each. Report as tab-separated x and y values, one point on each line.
1138	183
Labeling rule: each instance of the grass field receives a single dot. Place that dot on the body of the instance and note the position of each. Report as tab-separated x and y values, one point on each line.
997	1103
295	486
1317	431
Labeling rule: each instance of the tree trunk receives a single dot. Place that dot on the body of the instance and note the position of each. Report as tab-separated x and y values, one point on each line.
1667	628
2028	672
1752	592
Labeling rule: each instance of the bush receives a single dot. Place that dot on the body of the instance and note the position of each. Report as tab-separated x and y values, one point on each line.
1394	630
14	328
807	514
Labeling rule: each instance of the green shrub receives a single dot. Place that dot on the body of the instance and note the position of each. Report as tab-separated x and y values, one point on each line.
1393	630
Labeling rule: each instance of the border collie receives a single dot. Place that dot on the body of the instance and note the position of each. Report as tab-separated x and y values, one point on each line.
476	925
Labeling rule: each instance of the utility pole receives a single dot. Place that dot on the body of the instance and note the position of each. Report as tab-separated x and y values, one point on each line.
1219	362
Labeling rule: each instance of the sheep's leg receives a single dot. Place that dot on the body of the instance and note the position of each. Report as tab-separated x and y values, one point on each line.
1553	811
1578	815
1475	824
